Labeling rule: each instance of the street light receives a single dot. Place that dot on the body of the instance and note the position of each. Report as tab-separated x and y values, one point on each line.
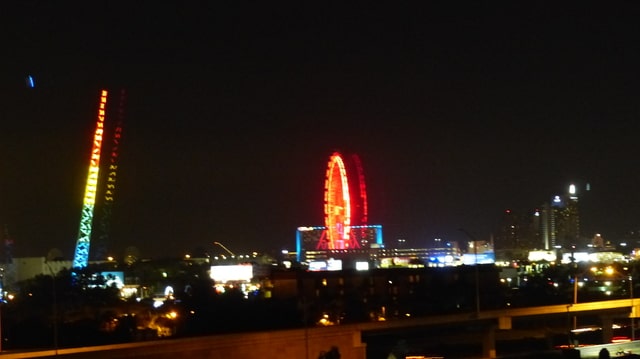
477	275
55	308
2	299
633	311
574	267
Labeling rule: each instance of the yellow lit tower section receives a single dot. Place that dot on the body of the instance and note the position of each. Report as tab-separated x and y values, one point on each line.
81	257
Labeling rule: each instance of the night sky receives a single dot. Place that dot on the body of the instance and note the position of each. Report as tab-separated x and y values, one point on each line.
457	111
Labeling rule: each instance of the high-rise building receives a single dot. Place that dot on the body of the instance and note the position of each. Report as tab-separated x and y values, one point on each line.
561	220
519	232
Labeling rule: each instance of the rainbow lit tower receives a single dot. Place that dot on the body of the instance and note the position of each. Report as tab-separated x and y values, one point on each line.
81	257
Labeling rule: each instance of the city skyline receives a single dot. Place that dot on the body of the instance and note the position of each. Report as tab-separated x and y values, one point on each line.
233	111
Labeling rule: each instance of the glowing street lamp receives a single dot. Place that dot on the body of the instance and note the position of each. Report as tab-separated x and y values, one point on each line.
477	275
633	309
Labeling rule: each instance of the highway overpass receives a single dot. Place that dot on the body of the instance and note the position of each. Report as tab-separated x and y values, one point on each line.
310	342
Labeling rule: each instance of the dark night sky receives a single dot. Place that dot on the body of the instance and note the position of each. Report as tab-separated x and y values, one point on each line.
234	108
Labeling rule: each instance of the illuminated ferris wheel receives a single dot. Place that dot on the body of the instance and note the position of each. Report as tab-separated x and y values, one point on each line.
344	202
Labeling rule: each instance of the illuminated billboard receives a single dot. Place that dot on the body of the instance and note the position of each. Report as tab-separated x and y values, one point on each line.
232	273
108	279
535	256
329	265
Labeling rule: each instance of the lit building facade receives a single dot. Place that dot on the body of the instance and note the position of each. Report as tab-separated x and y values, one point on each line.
518	233
561	220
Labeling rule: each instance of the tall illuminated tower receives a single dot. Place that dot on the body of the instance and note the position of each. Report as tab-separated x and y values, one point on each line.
109	185
81	257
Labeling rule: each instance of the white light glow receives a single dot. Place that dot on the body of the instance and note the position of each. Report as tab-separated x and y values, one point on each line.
232	273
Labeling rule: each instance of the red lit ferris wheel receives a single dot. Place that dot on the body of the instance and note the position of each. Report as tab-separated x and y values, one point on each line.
345	203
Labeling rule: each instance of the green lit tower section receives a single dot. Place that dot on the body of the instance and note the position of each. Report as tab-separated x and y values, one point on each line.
81	257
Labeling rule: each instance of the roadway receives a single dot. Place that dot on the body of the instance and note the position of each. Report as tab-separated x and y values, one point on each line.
348	337
510	324
621	307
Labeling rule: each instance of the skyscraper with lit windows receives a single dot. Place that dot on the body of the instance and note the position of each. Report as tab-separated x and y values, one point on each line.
561	220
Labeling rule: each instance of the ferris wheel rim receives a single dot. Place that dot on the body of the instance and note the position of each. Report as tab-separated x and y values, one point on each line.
337	205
